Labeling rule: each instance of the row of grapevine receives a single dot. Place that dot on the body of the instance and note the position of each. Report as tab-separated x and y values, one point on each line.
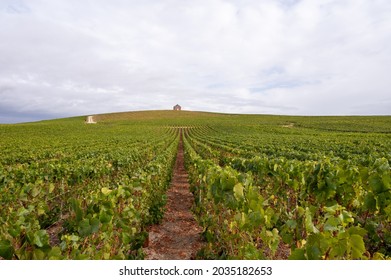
276	205
266	187
85	202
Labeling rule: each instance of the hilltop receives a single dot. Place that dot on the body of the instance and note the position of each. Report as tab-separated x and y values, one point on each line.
378	124
327	123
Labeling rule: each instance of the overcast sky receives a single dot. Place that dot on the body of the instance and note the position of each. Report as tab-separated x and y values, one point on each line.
308	57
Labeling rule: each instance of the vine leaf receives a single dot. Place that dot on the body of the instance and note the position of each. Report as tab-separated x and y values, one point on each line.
6	249
238	191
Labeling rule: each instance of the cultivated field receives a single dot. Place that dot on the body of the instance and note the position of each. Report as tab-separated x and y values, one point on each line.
265	187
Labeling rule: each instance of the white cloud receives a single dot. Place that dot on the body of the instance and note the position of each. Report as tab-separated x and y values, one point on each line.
63	58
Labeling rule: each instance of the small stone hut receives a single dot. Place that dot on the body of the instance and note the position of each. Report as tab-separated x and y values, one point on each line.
177	108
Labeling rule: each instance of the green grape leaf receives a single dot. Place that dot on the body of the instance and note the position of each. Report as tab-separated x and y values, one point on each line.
14	231
346	218
332	209
308	222
274	240
51	188
338	249
378	256
126	238
331	224
370	202
238	191
41	238
104	217
227	183
35	191
85	228
55	254
300	211
22	211
38	254
298	254
387	210
6	249
313	247
74	238
357	246
357	230
94	225
376	183
291	224
106	191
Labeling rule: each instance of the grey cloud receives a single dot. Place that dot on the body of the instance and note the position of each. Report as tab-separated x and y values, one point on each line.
62	58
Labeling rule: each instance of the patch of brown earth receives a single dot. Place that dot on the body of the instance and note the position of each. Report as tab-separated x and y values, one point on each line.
177	237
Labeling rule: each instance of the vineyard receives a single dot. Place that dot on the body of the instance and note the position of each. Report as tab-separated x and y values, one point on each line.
265	187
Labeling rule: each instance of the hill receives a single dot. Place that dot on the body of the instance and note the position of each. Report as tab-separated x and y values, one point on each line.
265	186
182	118
379	124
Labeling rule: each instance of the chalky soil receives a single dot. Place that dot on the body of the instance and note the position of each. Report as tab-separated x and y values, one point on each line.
177	237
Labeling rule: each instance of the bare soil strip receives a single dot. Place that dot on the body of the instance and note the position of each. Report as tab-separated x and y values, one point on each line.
177	237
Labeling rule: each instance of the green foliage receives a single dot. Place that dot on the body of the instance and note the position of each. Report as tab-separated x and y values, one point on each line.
309	192
6	249
266	187
97	186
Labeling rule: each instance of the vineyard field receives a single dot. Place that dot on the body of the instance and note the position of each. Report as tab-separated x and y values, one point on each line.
264	186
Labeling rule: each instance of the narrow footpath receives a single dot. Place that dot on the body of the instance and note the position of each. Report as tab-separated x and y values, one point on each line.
177	237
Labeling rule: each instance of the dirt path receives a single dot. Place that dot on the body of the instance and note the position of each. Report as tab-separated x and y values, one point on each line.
177	237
